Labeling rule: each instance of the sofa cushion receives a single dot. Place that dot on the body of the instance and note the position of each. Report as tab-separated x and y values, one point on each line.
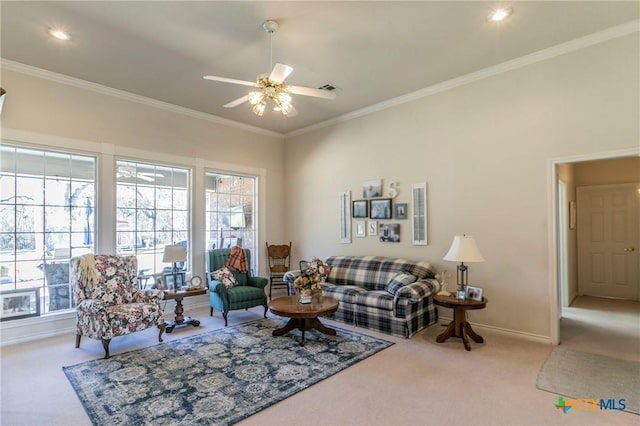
378	299
400	280
342	293
370	272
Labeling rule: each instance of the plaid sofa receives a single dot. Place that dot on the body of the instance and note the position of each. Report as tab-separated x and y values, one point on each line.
383	294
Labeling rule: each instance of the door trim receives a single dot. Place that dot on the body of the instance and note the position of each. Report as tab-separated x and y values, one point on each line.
552	219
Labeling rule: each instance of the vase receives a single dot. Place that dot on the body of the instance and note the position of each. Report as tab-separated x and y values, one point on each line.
305	298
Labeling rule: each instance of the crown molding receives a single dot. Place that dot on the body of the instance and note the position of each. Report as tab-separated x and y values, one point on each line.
541	55
127	96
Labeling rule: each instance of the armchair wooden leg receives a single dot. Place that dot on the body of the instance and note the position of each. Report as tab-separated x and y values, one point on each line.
224	314
105	345
78	336
265	309
210	312
162	328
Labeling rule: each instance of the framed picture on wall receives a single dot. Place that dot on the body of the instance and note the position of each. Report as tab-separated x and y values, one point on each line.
372	227
380	209
390	232
19	304
572	215
360	208
361	230
372	188
400	210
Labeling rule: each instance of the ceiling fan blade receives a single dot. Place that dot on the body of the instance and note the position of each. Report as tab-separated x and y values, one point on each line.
237	102
280	72
230	80
144	177
308	91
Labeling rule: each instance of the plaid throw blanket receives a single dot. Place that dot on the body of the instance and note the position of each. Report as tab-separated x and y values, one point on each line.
238	260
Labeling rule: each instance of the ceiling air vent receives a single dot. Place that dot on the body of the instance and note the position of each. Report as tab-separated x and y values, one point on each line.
329	87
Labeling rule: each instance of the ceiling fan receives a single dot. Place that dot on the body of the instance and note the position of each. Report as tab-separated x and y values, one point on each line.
130	173
271	88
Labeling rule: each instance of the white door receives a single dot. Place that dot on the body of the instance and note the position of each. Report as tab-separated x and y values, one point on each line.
608	222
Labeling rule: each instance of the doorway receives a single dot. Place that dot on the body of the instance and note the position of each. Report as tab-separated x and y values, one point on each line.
559	257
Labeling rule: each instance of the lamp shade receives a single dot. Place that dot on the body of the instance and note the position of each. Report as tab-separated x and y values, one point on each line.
174	253
464	249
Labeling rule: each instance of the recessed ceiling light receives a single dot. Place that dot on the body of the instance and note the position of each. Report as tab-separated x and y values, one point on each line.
500	14
59	34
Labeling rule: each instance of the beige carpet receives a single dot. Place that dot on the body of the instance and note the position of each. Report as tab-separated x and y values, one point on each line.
415	382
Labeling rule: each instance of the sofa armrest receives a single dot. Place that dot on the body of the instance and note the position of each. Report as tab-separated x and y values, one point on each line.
290	276
217	287
418	290
92	307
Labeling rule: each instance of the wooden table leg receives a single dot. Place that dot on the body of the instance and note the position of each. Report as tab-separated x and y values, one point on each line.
303	324
446	333
476	337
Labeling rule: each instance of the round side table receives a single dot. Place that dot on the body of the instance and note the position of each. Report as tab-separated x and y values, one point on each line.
459	327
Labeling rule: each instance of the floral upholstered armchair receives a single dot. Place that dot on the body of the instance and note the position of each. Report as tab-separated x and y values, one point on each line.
108	300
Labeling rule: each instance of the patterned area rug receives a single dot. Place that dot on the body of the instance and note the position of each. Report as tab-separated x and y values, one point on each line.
215	378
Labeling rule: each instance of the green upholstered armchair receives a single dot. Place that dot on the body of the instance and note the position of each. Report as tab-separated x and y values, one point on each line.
249	291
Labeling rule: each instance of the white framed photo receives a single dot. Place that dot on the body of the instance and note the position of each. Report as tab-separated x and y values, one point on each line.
361	228
474	293
372	188
372	227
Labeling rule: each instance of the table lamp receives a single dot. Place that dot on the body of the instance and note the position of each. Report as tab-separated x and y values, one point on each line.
463	249
173	254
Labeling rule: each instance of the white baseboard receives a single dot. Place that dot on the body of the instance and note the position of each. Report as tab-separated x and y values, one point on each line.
502	331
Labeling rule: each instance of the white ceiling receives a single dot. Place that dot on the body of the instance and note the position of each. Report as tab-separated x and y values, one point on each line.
371	51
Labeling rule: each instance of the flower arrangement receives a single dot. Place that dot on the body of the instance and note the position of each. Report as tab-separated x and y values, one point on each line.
309	281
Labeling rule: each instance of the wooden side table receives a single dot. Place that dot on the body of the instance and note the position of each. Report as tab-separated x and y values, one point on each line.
181	319
459	327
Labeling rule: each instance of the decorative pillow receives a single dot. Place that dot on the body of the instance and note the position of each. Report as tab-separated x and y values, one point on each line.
225	276
399	281
420	269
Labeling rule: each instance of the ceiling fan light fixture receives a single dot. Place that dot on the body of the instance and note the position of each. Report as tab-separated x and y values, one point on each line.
500	14
258	109
59	34
256	97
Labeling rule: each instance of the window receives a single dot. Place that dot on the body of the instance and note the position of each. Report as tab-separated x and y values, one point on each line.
152	211
230	212
47	202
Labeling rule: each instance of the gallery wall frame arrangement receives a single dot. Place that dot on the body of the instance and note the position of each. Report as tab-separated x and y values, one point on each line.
19	304
372	228
372	188
419	234
380	209
345	217
400	210
360	208
389	232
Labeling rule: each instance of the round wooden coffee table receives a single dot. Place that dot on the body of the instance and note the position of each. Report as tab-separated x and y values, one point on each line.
303	316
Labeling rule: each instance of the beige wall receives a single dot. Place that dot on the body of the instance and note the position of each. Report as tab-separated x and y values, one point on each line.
485	151
608	172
